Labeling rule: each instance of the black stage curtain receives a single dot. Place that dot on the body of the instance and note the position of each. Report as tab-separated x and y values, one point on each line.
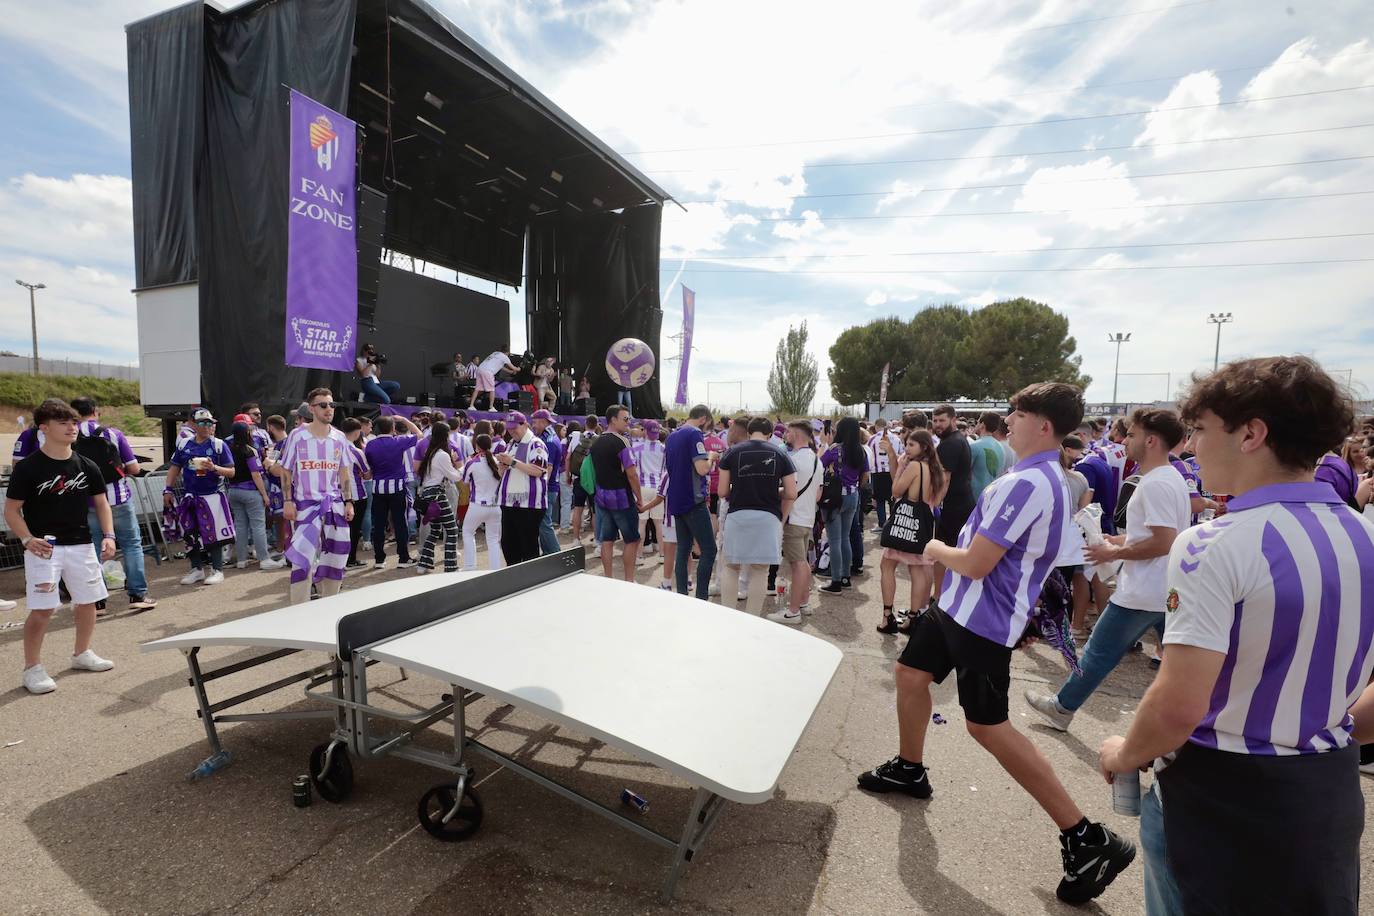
251	59
166	53
593	279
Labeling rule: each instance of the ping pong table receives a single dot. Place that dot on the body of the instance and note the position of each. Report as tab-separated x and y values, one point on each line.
715	697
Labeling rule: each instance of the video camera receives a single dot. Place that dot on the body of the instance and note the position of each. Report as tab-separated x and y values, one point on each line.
378	358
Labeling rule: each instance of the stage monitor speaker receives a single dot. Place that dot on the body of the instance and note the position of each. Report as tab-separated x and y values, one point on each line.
585	406
524	402
370	237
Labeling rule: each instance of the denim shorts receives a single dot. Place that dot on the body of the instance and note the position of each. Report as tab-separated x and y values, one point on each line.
611	523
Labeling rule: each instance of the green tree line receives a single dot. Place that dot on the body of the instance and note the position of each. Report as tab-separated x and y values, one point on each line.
946	352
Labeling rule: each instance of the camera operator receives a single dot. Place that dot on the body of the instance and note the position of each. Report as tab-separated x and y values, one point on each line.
369	368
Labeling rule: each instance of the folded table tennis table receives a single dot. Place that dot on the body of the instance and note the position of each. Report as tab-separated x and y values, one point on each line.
716	697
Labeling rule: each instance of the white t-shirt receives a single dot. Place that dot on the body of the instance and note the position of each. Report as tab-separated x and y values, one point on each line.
495	362
365	368
440	470
1160	500
808	476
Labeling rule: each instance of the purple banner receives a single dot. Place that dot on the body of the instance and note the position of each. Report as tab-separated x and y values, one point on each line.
689	315
321	252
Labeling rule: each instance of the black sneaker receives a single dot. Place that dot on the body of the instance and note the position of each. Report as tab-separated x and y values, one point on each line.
845	583
834	588
896	776
1092	864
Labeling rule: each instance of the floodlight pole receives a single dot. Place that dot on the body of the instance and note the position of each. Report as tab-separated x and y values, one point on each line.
33	317
1218	319
1118	339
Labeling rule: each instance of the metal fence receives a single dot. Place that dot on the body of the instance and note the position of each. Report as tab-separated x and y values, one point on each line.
24	365
147	500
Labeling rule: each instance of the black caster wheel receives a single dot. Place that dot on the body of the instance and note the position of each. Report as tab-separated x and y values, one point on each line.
438	801
335	784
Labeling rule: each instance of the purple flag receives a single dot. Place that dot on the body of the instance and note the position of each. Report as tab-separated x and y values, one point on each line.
321	252
689	314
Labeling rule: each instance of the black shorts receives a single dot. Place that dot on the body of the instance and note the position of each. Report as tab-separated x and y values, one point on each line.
715	503
882	485
579	499
982	667
950	523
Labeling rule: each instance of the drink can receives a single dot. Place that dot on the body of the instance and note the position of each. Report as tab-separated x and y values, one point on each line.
300	791
1126	793
639	803
51	540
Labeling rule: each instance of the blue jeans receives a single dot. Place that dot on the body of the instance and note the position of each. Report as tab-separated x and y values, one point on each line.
694	528
1115	633
611	523
250	523
380	392
130	541
1161	893
838	523
548	541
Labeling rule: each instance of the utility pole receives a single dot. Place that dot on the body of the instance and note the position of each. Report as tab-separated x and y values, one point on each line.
1118	339
33	318
1218	319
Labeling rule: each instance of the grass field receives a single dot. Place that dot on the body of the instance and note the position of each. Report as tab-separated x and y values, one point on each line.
118	399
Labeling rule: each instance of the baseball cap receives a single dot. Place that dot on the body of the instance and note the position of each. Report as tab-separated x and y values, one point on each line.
542	414
202	414
817	426
516	418
779	429
244	419
651	427
304	412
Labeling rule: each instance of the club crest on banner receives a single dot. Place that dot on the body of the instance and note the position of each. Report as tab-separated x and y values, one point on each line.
324	141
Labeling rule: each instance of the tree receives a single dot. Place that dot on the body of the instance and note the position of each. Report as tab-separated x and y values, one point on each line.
858	354
935	333
1010	344
792	380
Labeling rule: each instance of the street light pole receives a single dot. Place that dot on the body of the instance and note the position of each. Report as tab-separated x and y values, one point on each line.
1118	339
1218	319
33	318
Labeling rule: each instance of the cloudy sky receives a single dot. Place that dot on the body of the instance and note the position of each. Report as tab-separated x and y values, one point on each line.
842	163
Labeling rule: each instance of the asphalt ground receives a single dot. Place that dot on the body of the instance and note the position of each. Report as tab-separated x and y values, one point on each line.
99	816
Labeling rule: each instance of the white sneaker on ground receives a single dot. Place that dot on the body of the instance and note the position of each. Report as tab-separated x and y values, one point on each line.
252	553
741	596
8	605
1055	716
806	610
215	578
241	565
36	680
786	615
404	564
665	585
194	576
714	590
89	661
272	564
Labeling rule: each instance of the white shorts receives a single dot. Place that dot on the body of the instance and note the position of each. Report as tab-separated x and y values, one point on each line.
667	531
75	564
648	494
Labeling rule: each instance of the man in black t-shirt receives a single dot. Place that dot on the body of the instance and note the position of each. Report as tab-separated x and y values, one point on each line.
49	496
618	500
760	482
957	459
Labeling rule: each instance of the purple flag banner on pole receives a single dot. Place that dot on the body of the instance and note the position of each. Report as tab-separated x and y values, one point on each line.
689	314
321	250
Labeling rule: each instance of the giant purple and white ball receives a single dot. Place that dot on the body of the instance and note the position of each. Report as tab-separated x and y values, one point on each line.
630	362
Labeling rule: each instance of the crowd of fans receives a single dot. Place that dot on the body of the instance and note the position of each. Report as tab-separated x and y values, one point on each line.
1235	528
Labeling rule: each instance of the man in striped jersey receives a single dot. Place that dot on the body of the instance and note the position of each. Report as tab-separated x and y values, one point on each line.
386	456
524	490
1253	720
316	468
879	459
996	570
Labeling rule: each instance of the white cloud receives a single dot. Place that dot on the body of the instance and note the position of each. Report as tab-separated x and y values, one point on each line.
901	192
810	225
1099	193
875	298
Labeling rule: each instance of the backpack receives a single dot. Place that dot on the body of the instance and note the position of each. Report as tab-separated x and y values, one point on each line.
584	445
586	477
831	494
103	452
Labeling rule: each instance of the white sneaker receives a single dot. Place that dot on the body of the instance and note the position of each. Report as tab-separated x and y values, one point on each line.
741	596
8	605
89	661
215	578
714	590
242	565
272	564
36	680
1055	716
194	576
806	610
786	615
665	585
252	554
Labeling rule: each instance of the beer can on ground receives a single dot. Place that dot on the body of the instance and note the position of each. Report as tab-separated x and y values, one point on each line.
300	791
639	803
1126	793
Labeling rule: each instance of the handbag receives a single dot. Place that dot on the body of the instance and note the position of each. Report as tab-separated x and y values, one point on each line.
911	524
831	494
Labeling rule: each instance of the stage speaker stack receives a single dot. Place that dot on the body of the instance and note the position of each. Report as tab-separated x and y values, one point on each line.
524	401
585	406
370	235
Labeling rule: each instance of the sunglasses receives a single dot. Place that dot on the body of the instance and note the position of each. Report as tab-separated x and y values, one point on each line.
205	422
325	405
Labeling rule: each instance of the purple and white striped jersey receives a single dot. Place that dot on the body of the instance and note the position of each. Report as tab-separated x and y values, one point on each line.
1283	585
118	492
648	455
1027	512
1114	453
877	455
388	457
316	465
518	489
482	483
